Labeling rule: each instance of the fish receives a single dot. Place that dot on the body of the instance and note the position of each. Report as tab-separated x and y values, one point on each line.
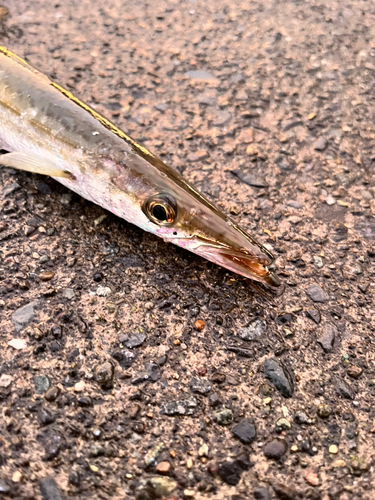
47	130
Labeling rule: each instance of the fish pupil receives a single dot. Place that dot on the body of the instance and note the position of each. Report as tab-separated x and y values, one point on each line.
159	212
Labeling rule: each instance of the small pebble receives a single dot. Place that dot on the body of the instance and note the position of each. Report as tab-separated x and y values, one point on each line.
18	344
320	144
23	316
275	449
199	325
283	423
49	489
68	293
344	390
317	294
254	331
311	477
333	449
284	492
354	371
5	380
42	383
153	454
280	377
203	450
17	476
45	416
163	468
79	386
52	394
327	339
245	431
224	417
162	486
103	291
46	275
104	374
324	410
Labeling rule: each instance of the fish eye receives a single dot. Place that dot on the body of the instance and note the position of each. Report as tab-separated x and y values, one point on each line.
159	212
161	209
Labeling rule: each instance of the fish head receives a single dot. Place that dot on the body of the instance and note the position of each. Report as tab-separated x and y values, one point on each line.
182	216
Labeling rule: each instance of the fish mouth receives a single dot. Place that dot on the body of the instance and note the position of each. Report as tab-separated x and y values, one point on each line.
240	261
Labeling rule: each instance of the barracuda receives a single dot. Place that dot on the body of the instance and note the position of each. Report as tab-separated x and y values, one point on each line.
45	129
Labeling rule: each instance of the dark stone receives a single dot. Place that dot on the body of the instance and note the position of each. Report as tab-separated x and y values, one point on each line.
261	493
245	353
284	492
49	489
291	125
245	431
52	394
339	233
9	189
335	491
5	488
230	472
218	378
311	494
53	447
45	416
162	360
133	340
74	478
200	386
279	376
125	358
317	294
249	179
344	390
214	400
314	314
153	372
85	401
327	340
275	449
254	331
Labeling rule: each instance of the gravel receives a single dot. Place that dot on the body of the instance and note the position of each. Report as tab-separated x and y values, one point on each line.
280	377
245	431
317	294
237	100
24	315
327	339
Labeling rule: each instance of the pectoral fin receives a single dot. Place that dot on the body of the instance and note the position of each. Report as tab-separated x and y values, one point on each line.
33	163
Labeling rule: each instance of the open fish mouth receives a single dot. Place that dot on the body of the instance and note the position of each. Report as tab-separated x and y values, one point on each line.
239	261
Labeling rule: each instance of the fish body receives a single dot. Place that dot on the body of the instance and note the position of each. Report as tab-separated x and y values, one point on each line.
47	130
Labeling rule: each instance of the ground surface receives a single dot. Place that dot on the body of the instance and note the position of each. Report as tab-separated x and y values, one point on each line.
282	92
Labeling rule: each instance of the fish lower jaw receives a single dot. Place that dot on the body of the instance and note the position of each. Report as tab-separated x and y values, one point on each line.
245	265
